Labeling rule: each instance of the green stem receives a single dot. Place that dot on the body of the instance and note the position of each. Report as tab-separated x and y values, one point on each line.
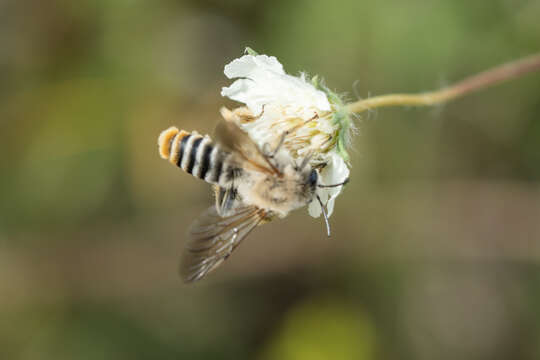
471	84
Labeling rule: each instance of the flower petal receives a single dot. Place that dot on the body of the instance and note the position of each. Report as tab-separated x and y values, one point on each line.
314	208
335	172
253	66
263	82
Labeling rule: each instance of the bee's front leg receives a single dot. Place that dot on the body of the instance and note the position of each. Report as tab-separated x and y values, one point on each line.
270	154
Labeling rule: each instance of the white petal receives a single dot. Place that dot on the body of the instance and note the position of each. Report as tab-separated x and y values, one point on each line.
264	82
330	205
314	208
253	66
336	171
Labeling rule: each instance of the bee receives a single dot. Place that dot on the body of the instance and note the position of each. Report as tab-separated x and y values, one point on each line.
252	186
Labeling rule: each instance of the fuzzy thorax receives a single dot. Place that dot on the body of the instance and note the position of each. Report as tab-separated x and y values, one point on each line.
280	195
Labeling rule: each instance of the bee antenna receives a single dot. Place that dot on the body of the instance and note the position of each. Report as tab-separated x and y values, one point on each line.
280	144
334	185
325	216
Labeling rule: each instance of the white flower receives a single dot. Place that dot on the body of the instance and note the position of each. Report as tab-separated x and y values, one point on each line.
277	102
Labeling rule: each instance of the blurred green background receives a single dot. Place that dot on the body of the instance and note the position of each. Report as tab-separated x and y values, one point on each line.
435	250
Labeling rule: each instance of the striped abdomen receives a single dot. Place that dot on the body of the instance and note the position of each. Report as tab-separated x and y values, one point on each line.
196	154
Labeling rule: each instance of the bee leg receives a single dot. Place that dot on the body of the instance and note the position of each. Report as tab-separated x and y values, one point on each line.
306	160
325	216
261	114
266	150
270	154
287	132
280	144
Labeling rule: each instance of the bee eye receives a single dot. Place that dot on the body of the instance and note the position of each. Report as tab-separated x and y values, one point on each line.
313	176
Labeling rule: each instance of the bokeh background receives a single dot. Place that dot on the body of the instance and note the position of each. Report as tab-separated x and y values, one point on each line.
435	250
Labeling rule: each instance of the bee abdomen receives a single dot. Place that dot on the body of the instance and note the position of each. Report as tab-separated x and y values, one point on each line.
193	153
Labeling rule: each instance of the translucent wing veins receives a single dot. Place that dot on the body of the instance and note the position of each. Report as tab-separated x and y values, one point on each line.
234	139
213	238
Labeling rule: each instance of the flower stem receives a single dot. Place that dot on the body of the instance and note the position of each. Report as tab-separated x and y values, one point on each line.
471	84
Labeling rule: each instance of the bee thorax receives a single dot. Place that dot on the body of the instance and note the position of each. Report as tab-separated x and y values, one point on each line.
277	194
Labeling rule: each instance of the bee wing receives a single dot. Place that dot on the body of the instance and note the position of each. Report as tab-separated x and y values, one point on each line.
213	238
236	140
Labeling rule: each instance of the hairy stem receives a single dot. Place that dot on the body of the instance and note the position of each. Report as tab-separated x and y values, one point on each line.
471	84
